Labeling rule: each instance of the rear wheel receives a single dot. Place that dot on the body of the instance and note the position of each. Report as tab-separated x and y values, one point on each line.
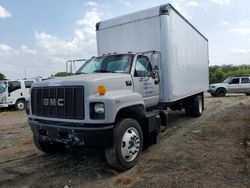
194	106
220	92
20	105
197	106
49	148
127	146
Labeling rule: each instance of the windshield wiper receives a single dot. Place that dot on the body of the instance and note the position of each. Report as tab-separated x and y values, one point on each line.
104	71
77	73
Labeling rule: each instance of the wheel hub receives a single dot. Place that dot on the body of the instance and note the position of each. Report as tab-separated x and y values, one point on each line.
130	144
20	106
200	106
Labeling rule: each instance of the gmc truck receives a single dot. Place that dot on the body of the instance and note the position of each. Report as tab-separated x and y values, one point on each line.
147	61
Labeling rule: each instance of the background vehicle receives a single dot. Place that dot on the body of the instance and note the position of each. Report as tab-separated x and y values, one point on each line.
14	93
231	85
119	100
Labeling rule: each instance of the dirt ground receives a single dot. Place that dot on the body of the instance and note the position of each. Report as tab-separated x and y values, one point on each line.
210	151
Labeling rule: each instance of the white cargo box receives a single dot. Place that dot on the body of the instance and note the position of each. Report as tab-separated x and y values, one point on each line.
184	50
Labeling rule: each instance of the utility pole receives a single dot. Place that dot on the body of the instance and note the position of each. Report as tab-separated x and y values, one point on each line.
25	74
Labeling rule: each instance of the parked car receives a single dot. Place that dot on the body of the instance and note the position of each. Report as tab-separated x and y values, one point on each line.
231	85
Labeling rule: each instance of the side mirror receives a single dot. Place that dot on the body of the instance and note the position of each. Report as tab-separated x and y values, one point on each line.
153	74
156	68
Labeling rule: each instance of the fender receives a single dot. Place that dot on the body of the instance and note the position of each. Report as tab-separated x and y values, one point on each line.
117	100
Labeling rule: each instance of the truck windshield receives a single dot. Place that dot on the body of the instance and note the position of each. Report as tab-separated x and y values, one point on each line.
104	64
227	80
2	87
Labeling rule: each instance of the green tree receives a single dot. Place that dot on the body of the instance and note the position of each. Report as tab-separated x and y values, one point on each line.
61	74
2	76
220	73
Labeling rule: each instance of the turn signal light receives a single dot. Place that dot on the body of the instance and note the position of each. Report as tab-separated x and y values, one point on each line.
101	90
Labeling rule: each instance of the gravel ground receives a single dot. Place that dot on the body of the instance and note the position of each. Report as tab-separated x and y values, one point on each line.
210	151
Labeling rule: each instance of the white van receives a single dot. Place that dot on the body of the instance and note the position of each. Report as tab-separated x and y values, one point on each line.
14	92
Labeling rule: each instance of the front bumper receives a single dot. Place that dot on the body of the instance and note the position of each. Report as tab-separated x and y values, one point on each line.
73	134
212	91
4	105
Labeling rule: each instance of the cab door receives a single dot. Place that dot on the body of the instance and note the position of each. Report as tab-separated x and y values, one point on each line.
145	81
14	92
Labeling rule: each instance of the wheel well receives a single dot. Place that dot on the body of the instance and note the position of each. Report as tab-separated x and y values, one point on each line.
136	112
221	88
187	100
20	99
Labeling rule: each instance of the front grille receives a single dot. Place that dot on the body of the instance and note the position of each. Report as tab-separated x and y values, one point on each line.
58	102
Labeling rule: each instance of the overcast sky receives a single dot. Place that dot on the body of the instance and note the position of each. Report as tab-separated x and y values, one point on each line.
40	35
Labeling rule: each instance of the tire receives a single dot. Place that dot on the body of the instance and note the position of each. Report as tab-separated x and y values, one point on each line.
127	146
188	107
20	105
247	94
196	110
220	92
49	148
213	94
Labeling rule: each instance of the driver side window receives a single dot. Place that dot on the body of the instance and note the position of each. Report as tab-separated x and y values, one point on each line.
13	86
143	66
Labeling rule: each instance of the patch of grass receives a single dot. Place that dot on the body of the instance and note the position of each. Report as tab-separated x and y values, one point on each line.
125	180
28	141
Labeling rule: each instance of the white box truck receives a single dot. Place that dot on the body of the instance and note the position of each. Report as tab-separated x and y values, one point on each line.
14	93
147	61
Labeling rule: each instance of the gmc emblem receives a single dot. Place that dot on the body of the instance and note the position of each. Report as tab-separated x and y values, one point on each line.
53	102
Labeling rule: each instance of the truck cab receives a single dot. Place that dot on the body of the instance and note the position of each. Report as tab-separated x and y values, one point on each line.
112	101
14	92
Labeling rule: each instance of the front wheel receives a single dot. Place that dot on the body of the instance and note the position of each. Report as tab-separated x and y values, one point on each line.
20	105
213	94
220	92
127	146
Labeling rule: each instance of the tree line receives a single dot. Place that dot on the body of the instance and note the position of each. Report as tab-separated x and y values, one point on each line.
216	73
219	73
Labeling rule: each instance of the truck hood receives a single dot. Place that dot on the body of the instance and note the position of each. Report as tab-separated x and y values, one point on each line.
112	81
217	85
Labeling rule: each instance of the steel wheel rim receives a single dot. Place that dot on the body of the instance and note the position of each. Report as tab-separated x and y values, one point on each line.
200	106
130	144
20	106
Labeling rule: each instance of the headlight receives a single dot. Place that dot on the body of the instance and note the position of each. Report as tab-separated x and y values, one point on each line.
99	108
